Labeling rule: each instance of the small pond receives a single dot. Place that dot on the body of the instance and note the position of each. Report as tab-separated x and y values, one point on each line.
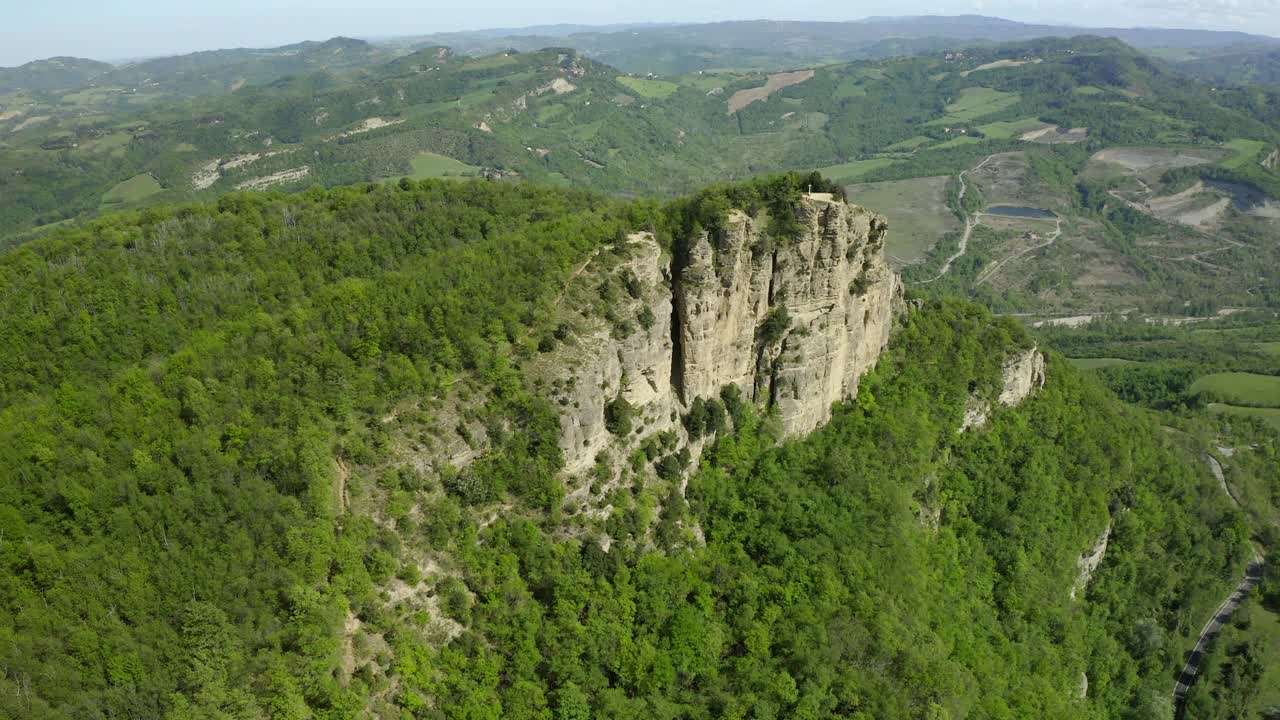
1019	211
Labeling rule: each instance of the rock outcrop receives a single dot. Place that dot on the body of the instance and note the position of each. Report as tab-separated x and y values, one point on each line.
636	368
1089	562
792	322
1023	374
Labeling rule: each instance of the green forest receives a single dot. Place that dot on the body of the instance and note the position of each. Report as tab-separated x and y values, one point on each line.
206	500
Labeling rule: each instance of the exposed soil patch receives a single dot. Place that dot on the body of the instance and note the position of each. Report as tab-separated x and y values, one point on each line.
998	64
1139	159
1053	135
776	82
284	176
35	120
559	86
369	124
212	171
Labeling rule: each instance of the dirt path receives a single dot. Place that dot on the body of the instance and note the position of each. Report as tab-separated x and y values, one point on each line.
991	270
1145	208
341	478
970	222
576	274
1221	616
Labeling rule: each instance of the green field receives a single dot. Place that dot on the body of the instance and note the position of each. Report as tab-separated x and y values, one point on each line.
1269	415
917	212
1241	388
957	142
910	143
1243	152
1007	129
135	189
649	88
705	81
115	144
430	165
855	169
491	62
975	102
1096	363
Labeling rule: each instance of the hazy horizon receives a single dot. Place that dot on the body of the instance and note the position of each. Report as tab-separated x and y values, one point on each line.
148	28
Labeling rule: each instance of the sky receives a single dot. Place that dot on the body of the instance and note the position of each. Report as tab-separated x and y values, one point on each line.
125	29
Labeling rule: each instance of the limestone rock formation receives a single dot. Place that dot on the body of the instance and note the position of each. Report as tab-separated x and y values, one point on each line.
1089	562
792	322
794	325
1023	374
637	368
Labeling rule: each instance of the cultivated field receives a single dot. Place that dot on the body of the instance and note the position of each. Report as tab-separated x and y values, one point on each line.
135	189
428	165
1270	416
855	169
917	211
645	87
1243	152
1241	388
776	82
975	102
997	65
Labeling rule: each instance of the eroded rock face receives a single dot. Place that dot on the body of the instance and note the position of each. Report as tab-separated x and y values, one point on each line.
637	367
792	323
1089	562
1023	375
719	311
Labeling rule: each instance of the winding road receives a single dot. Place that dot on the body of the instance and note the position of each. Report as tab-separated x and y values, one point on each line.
991	270
970	222
1252	576
1149	194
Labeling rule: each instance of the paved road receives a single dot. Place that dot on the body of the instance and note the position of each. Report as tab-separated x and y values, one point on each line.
1187	677
1222	616
970	222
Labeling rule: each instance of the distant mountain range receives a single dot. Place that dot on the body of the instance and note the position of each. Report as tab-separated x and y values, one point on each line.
640	48
199	73
668	49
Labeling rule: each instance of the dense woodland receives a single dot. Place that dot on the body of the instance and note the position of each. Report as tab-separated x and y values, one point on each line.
182	388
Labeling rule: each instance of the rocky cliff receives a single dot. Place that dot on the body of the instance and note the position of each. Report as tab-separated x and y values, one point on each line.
1023	374
792	322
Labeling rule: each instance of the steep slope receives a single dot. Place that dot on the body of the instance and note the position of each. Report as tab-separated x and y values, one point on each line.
790	323
300	455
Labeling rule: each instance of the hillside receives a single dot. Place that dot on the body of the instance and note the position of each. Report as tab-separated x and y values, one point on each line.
780	45
1251	66
1162	190
475	449
58	73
